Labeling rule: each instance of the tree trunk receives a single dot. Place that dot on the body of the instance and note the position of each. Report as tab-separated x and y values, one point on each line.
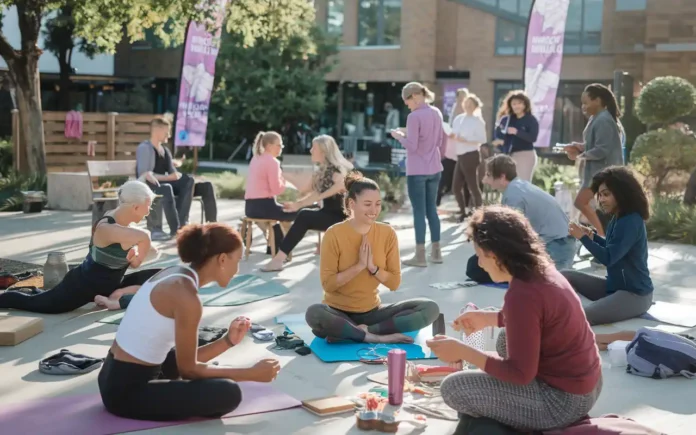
24	72
64	82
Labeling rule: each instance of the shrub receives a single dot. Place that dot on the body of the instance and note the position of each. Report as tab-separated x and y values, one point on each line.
12	186
5	157
547	174
671	220
665	99
228	185
660	153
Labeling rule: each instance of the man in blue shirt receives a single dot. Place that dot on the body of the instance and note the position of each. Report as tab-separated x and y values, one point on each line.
541	209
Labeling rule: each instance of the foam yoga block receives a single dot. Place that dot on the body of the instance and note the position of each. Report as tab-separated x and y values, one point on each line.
16	329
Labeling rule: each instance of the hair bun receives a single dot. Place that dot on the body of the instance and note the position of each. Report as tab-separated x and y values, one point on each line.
191	241
352	177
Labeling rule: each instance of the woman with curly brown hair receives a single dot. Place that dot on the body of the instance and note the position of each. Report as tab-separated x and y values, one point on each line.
519	132
627	290
548	374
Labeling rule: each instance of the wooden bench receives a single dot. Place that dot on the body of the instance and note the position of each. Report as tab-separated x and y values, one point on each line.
266	226
105	199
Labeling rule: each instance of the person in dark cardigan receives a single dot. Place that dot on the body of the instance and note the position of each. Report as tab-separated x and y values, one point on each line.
519	132
627	290
155	166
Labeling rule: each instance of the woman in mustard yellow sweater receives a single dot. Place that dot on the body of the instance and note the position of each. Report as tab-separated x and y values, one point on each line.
356	256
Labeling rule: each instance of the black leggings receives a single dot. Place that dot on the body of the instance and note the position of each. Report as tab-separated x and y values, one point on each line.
307	220
447	178
157	393
78	287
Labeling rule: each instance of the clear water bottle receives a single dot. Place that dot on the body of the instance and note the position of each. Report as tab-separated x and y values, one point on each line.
55	269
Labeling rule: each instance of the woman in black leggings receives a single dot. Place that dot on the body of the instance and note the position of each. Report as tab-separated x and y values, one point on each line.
328	186
113	249
144	376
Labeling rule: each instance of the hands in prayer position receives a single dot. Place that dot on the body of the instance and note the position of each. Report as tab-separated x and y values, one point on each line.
511	130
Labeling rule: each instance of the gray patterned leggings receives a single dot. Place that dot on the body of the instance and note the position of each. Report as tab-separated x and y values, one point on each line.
536	406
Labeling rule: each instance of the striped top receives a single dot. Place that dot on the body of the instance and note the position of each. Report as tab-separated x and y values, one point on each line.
112	256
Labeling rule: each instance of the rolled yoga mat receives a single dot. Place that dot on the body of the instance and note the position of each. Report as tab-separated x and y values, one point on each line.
85	414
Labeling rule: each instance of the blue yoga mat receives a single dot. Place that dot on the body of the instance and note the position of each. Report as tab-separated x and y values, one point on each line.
340	352
243	289
500	285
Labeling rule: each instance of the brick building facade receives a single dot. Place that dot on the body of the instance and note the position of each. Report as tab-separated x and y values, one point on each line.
479	43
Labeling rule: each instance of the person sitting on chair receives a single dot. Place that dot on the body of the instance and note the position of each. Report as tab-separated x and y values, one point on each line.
358	255
155	166
265	182
541	209
327	187
154	369
115	247
547	374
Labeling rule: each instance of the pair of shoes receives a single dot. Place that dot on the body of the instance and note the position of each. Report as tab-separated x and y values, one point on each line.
160	236
419	259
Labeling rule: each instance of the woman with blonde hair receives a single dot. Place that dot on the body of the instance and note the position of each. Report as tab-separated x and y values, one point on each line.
115	247
469	133
449	158
265	180
327	187
425	141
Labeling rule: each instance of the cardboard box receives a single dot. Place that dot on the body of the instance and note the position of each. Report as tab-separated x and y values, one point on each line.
16	329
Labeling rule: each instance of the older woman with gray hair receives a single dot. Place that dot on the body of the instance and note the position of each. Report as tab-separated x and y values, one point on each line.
115	247
425	141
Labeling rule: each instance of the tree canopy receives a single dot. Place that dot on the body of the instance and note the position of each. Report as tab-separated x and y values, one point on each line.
270	75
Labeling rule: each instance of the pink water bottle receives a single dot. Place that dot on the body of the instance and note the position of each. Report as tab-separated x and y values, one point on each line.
396	369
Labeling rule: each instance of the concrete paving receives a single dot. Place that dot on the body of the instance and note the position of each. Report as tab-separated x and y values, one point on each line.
665	405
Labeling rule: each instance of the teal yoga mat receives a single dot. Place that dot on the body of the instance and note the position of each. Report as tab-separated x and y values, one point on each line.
339	352
244	289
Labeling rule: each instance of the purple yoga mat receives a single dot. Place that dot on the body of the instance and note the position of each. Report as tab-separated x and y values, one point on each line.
85	414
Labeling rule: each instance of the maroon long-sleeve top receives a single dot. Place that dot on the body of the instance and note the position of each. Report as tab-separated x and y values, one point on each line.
548	336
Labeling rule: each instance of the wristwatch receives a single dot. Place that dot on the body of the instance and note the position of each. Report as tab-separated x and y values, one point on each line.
375	272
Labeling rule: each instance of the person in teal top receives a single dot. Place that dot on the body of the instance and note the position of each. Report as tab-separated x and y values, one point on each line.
115	247
627	290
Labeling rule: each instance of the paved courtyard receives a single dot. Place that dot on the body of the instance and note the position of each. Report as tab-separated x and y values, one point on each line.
667	405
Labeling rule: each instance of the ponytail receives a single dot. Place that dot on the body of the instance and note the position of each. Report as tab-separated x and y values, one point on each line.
597	90
257	149
264	138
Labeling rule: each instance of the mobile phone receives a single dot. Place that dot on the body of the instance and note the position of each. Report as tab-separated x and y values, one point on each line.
439	325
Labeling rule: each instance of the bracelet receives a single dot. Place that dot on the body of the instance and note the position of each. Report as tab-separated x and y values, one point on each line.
375	272
227	339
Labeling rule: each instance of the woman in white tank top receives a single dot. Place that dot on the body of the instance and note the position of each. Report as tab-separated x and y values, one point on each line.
155	369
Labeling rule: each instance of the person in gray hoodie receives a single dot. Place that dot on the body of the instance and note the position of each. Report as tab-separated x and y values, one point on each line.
602	146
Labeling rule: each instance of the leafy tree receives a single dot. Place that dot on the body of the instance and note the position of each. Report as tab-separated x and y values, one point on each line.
59	39
667	150
102	23
658	154
271	75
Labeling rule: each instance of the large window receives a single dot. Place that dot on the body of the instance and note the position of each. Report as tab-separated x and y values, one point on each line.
379	22
334	17
583	28
631	5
